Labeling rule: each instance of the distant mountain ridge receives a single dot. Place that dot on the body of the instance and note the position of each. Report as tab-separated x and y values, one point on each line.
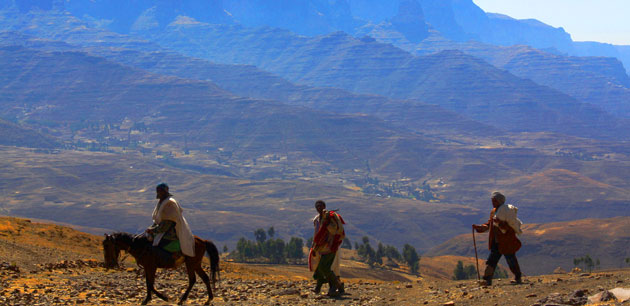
601	81
450	79
458	20
263	85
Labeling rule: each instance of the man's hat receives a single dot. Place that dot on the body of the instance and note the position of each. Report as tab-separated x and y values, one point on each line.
499	197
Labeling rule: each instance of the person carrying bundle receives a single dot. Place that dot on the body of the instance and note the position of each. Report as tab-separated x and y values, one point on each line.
329	235
502	241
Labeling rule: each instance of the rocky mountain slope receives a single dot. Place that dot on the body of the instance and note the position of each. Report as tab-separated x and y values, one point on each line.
450	79
410	20
601	81
419	78
12	134
415	115
209	131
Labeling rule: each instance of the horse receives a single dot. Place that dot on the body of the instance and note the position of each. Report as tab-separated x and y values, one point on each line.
143	251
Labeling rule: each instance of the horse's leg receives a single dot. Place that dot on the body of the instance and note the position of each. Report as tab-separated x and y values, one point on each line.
190	269
149	275
206	280
160	295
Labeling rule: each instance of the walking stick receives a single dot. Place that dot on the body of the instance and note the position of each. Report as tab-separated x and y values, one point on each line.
476	257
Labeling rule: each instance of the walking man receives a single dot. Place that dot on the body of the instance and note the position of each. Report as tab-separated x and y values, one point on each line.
329	235
503	226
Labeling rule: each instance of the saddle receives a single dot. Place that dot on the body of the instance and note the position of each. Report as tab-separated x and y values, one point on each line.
169	254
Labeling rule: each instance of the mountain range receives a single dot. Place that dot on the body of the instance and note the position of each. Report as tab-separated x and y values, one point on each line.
451	79
406	116
455	20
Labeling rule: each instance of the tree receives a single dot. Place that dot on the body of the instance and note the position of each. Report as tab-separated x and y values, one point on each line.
294	248
309	242
458	272
275	250
271	231
366	252
260	235
370	255
500	273
365	240
586	261
411	258
392	252
346	244
470	271
246	249
464	272
380	252
225	248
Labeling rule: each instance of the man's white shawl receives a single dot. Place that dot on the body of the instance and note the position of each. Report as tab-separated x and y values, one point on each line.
169	209
507	213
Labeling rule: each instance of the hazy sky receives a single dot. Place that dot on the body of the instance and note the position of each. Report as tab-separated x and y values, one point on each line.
586	20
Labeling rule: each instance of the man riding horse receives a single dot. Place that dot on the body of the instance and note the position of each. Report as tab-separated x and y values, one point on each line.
169	234
170	231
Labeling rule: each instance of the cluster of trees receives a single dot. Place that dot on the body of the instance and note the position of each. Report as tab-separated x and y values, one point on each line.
372	257
464	272
470	272
586	262
268	249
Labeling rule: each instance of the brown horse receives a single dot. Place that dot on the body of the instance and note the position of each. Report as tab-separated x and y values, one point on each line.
145	254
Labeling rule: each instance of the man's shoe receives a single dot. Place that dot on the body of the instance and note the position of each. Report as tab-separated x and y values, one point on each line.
341	288
485	282
332	292
517	281
318	288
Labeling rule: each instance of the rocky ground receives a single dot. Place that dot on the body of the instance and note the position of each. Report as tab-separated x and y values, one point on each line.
42	264
86	282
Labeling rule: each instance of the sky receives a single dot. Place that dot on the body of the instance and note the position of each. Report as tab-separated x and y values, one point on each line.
586	20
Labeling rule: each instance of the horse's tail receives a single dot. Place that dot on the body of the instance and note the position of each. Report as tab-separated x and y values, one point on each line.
213	254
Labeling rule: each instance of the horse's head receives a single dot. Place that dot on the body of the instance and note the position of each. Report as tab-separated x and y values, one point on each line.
111	252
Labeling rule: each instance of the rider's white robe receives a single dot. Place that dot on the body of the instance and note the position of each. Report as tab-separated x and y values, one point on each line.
169	209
